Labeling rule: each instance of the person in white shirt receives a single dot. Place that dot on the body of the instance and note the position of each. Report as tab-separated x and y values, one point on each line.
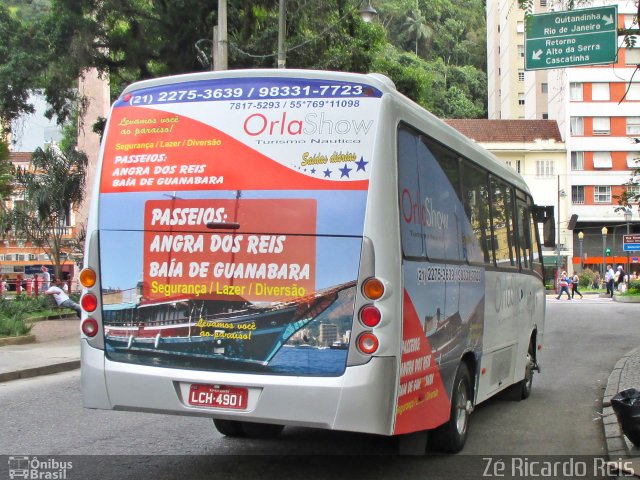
45	279
62	299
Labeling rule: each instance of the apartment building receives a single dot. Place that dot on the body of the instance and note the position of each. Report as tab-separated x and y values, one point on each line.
597	109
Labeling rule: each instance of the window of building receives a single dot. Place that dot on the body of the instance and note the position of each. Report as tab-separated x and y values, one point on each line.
544	88
601	126
577	160
633	125
543	3
545	116
515	164
601	194
577	126
600	91
520	27
633	192
632	56
577	194
521	75
633	93
575	91
521	51
602	160
544	168
633	159
521	99
629	21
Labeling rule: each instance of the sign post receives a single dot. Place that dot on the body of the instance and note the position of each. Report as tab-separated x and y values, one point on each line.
571	38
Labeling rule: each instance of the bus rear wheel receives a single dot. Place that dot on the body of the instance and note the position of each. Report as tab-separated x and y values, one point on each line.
526	385
229	428
261	430
451	437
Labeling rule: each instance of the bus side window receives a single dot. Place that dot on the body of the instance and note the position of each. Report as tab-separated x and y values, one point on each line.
476	205
525	232
503	223
411	228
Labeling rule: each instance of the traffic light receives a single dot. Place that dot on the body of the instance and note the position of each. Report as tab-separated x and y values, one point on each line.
608	251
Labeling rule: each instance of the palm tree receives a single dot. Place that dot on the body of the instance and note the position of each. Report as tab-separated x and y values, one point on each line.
54	183
417	28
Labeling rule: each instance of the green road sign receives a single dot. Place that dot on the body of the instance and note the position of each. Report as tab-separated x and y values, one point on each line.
570	38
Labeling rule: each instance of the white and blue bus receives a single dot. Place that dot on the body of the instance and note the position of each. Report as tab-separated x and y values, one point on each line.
285	247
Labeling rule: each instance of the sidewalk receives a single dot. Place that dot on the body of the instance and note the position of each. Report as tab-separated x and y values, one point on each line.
56	349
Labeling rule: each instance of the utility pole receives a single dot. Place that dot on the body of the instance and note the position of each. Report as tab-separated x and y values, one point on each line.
220	60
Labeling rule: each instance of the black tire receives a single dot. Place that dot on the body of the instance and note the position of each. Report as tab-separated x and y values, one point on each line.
261	430
451	437
229	428
526	385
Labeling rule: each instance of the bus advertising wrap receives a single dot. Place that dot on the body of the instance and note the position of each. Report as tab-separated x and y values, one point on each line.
242	203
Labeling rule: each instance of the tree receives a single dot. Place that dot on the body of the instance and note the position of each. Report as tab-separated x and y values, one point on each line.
6	172
22	52
417	28
51	188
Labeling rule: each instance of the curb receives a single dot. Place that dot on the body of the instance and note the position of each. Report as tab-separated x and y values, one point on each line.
37	371
619	448
19	340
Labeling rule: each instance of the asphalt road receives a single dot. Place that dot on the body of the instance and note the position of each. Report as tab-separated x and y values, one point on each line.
583	341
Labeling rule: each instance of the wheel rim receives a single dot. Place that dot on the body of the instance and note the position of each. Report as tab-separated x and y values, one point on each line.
463	407
528	376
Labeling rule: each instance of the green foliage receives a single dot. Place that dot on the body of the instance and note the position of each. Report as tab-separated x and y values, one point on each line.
14	313
22	52
6	171
587	278
135	39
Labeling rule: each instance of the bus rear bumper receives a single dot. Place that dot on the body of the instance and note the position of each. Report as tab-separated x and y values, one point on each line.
360	400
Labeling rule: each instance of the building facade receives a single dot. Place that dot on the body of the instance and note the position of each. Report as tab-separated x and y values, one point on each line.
597	109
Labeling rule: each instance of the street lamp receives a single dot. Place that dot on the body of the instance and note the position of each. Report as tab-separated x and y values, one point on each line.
604	245
580	240
367	13
627	218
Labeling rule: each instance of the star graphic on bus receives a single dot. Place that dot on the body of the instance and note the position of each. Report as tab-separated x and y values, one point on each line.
361	165
345	171
327	173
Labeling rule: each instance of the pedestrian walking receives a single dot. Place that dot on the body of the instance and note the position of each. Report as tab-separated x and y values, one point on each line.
574	285
44	280
564	286
619	277
609	278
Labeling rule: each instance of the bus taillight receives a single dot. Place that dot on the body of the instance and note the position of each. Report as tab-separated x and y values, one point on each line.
370	316
368	343
89	302
373	288
90	327
87	278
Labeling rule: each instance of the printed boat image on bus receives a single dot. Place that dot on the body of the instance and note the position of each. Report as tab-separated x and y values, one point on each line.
252	334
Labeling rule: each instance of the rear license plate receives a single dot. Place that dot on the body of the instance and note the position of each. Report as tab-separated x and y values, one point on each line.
218	396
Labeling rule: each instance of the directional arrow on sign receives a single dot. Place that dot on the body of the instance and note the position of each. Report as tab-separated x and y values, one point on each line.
536	55
608	20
